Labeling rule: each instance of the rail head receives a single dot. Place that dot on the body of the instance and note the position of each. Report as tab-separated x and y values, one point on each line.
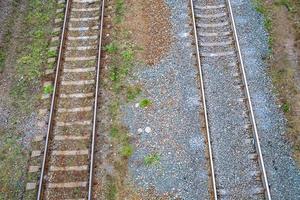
211	163
253	121
53	99
90	191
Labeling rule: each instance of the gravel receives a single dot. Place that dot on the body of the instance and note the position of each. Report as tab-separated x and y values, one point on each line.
231	139
170	127
283	174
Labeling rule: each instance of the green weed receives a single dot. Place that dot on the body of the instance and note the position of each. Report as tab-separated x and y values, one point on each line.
111	192
286	3
39	34
119	11
126	150
52	53
128	55
152	159
133	92
286	107
48	89
145	103
111	48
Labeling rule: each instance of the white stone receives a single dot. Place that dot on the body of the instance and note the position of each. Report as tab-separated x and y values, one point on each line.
148	130
140	130
137	105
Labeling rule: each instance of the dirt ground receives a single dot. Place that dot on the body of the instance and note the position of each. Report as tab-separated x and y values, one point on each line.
153	33
284	63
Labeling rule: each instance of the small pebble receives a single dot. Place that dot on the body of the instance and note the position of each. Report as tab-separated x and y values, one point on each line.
148	130
140	130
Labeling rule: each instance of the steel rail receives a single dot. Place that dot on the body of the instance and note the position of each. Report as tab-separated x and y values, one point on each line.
204	105
253	121
96	102
40	189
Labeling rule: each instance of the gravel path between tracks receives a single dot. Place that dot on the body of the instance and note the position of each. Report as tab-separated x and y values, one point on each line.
170	126
284	176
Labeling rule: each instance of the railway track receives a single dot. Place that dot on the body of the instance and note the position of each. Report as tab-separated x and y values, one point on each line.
236	162
67	166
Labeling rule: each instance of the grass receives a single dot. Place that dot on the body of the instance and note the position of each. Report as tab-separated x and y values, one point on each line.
145	103
286	3
126	150
152	159
119	11
111	191
133	92
52	53
48	89
286	107
111	47
262	9
128	55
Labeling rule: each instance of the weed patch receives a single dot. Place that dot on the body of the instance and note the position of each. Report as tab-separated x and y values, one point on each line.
152	159
145	103
48	89
111	192
286	107
126	150
132	92
111	48
286	3
119	11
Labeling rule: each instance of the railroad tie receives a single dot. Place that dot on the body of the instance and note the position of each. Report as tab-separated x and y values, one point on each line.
212	25
79	70
86	58
93	37
210	7
82	82
73	123
67	185
207	34
85	1
85	9
219	54
73	110
83	19
69	168
71	137
82	28
82	48
211	15
70	152
77	95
